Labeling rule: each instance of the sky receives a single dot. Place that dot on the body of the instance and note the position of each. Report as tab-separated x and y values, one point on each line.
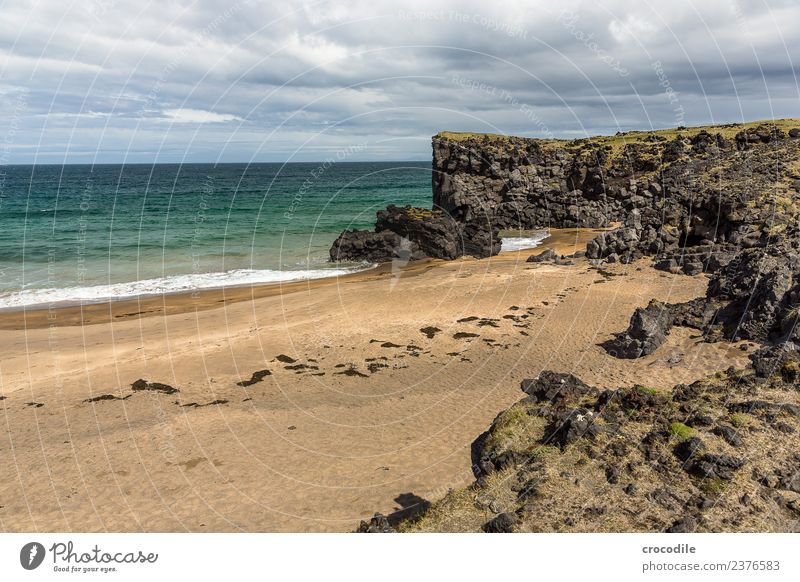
113	81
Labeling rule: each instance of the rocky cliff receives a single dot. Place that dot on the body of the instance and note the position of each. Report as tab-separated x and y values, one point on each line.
594	182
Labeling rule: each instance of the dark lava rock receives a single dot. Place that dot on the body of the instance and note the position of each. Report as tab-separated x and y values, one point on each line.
198	405
768	409
689	448
544	256
378	524
153	386
648	329
255	378
107	397
764	133
410	233
570	427
374	247
783	359
684	525
715	466
699	419
430	331
729	434
784	427
754	295
352	372
555	387
785	476
641	399
503	523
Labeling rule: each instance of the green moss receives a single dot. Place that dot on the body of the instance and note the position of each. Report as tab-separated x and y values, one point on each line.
714	486
739	420
510	429
646	390
680	430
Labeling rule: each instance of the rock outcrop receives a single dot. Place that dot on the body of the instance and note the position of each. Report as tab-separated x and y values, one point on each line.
671	189
648	329
410	233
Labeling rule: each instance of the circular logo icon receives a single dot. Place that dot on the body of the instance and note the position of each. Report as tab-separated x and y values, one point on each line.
31	555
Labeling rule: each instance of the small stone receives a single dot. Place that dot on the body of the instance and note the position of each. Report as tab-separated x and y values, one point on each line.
684	525
503	523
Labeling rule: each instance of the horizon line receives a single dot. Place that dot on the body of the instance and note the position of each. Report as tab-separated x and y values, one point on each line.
6	165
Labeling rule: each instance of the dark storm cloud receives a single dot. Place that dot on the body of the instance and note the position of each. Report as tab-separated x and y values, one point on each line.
109	80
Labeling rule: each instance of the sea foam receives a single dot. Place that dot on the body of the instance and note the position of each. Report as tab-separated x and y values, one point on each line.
161	286
520	243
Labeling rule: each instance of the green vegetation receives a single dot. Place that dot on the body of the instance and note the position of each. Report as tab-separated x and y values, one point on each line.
739	420
680	430
714	486
727	131
646	390
792	313
516	430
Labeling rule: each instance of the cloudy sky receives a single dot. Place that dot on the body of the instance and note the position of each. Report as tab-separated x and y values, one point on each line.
271	80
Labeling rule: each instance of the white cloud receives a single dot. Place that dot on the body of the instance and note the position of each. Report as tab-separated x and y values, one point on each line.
184	115
632	28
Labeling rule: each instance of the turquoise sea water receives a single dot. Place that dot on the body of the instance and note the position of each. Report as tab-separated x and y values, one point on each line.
87	233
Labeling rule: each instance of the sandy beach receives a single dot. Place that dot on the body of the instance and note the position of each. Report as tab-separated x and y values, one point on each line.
360	411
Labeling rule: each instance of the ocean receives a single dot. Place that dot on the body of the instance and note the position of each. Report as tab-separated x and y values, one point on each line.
81	233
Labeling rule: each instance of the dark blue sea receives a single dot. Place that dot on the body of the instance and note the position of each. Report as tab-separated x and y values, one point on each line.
86	233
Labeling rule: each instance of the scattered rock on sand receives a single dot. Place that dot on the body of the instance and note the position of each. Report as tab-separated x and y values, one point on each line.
378	524
390	345
353	372
430	331
648	329
153	386
198	405
548	255
107	397
255	378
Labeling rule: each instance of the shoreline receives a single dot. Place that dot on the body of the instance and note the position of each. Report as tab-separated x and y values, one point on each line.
563	241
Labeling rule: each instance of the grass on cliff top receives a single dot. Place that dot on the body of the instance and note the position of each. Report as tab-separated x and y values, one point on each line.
726	130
